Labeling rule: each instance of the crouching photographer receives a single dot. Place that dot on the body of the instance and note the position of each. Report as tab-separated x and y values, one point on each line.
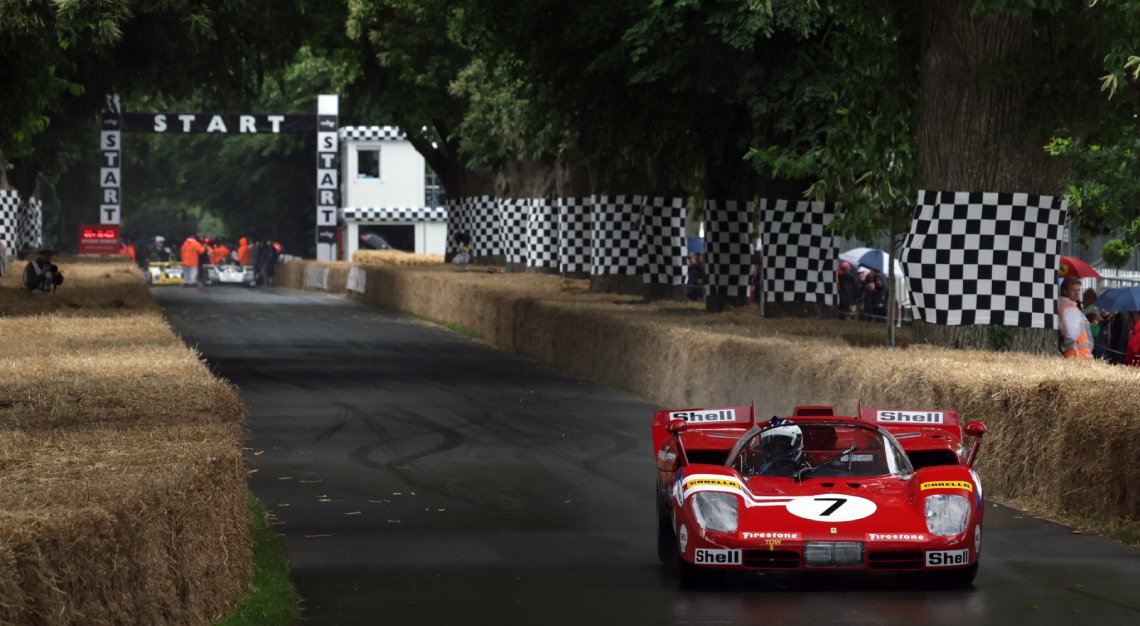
41	275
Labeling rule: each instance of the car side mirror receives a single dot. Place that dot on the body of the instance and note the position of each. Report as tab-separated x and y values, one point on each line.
975	429
677	426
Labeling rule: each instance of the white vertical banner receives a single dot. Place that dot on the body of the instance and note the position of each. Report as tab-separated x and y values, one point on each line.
327	145
110	166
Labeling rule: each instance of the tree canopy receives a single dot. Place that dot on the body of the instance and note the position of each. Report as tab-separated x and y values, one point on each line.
700	98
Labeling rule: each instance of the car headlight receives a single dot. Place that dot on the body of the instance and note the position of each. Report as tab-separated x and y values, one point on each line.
947	514
716	511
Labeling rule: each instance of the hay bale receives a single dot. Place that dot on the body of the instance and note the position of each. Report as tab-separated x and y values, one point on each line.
120	458
1062	434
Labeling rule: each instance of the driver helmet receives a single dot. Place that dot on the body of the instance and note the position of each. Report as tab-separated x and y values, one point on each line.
782	442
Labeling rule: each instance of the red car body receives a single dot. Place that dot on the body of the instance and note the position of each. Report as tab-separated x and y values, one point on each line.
860	511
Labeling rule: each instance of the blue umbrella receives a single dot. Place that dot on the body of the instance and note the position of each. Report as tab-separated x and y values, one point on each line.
1120	299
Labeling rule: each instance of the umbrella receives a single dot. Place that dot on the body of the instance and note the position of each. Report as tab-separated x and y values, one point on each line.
1076	268
871	258
1120	299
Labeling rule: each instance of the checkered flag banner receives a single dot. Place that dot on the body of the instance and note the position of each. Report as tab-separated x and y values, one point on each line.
663	234
394	215
574	219
482	216
31	224
371	133
10	220
728	246
459	220
513	215
985	258
799	252
615	237
542	234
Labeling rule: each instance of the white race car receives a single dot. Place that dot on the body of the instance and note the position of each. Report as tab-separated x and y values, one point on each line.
229	273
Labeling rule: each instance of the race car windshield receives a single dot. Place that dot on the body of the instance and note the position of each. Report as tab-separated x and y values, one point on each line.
818	450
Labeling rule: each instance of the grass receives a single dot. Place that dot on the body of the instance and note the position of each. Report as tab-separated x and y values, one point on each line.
271	599
466	331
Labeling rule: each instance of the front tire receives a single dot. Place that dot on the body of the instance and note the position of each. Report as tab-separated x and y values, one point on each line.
951	579
666	536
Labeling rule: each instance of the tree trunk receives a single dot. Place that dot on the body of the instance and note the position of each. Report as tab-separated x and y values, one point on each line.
972	135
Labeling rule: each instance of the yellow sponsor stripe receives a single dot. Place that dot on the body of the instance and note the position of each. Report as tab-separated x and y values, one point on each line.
947	484
712	482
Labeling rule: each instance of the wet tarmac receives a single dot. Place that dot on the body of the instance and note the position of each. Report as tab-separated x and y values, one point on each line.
419	477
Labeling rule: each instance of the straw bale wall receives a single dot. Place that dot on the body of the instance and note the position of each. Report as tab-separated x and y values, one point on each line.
1062	434
122	485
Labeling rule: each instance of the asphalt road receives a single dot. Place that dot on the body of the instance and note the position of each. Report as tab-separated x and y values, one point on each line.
419	477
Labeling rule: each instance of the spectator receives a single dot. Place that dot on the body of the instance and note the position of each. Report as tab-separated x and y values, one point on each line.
1132	352
1088	302
191	251
41	275
243	251
1118	331
1099	333
875	297
696	290
850	292
1076	336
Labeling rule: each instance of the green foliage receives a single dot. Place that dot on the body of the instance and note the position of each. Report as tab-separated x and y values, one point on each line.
1103	190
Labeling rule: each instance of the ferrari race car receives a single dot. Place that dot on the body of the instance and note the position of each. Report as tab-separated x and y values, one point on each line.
889	490
163	273
229	273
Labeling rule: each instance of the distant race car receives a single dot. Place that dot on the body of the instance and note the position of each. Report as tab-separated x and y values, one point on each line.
891	490
229	273
163	273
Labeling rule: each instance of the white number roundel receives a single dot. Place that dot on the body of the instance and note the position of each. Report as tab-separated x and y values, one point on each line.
831	507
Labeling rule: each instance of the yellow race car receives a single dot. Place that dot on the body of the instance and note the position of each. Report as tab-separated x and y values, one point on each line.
163	273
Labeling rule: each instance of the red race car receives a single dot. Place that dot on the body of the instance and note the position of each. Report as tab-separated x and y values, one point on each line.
889	490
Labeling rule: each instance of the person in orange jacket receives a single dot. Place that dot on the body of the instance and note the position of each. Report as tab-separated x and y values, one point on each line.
243	251
190	251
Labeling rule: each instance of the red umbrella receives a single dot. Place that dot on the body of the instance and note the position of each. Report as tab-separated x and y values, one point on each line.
1077	268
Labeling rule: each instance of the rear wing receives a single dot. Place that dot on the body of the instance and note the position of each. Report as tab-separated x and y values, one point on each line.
907	419
740	417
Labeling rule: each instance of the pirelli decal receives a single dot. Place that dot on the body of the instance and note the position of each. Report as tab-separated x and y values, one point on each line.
947	484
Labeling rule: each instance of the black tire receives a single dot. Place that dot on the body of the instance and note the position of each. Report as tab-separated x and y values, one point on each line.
694	577
950	579
666	535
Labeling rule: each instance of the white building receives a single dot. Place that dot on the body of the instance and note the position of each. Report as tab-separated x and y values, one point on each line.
383	193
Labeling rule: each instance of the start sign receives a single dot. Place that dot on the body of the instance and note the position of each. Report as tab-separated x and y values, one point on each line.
99	239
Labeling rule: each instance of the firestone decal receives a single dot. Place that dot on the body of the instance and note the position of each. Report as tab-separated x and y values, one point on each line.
947	484
769	535
897	537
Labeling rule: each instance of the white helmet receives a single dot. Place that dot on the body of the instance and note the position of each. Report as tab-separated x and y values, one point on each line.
782	442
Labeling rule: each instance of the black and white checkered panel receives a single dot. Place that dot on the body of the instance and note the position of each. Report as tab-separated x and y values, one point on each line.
486	228
615	236
663	234
728	246
513	214
798	251
985	258
574	219
542	234
371	133
459	220
31	227
10	220
394	215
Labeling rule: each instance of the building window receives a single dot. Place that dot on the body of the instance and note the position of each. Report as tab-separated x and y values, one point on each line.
433	190
368	163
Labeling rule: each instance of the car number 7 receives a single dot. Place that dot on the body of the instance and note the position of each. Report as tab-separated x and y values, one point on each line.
833	508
